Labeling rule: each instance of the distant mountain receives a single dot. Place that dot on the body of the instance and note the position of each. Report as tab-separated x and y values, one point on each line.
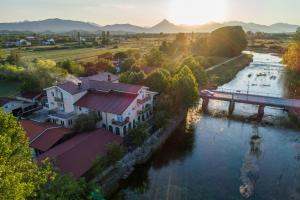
59	25
53	25
166	27
123	28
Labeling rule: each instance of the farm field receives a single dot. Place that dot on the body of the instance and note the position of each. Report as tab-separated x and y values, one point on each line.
89	54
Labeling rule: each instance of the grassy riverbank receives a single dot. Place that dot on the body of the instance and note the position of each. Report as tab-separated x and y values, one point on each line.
228	71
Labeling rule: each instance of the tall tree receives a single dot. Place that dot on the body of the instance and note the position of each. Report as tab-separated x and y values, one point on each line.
185	87
20	176
158	80
227	41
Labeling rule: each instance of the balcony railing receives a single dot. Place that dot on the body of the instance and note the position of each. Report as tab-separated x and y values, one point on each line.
58	99
120	123
146	109
144	100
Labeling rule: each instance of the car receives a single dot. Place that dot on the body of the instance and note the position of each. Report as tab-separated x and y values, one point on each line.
207	93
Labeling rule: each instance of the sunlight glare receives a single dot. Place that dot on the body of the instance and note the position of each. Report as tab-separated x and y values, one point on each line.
192	12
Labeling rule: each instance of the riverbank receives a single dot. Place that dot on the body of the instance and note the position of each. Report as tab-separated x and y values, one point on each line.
110	178
227	71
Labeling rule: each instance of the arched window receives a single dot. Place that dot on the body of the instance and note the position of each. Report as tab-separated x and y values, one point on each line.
129	125
110	128
117	130
124	130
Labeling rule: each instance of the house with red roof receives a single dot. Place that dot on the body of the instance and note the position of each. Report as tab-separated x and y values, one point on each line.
119	106
43	136
78	154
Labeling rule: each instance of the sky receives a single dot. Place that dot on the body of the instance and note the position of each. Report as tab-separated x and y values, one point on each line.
150	12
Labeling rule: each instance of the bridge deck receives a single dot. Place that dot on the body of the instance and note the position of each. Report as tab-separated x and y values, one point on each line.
254	99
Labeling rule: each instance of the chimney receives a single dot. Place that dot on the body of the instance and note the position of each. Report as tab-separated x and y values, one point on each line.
79	85
108	78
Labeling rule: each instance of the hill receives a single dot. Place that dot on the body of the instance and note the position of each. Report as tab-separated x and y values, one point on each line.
59	25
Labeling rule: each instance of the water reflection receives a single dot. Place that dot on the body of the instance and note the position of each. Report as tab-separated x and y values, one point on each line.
209	158
250	167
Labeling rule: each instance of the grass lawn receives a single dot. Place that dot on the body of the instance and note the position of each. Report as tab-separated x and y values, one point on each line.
9	88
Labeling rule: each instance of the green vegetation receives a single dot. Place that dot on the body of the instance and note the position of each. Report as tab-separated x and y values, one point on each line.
85	122
227	72
227	41
9	88
139	134
64	187
114	153
21	177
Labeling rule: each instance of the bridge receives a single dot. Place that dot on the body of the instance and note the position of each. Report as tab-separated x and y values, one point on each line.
261	100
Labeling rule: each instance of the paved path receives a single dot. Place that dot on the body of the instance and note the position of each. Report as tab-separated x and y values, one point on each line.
220	64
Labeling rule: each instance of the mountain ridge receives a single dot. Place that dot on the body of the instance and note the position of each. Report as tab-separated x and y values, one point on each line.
57	25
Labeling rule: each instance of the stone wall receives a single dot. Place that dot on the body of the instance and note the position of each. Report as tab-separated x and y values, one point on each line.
109	179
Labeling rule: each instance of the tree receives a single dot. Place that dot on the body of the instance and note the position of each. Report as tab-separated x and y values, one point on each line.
227	41
114	152
47	69
64	187
292	57
158	80
155	58
127	64
132	77
197	70
185	88
14	58
85	122
72	67
20	176
139	134
2	56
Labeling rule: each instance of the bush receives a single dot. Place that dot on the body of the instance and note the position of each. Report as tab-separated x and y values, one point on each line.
85	122
114	152
139	134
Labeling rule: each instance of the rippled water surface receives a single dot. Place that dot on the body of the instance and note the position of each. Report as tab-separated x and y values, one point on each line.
215	158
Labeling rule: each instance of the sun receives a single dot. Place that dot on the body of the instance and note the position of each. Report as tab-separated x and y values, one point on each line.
193	12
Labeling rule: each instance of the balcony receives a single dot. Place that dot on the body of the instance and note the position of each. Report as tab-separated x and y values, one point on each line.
58	99
120	123
144	100
146	109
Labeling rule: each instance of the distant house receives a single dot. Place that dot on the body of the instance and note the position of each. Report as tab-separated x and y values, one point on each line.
50	41
43	136
30	97
23	43
119	106
77	155
11	106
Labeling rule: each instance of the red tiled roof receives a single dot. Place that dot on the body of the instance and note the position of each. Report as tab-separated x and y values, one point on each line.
43	136
77	155
87	84
110	102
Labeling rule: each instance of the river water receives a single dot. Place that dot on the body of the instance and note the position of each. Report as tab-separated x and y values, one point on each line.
214	158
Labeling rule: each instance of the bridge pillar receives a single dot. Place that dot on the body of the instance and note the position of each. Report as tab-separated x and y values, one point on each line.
205	102
261	111
231	107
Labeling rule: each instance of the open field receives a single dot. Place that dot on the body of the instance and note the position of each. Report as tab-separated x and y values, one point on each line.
9	88
89	54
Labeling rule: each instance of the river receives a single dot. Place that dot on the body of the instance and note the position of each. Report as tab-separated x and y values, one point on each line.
214	158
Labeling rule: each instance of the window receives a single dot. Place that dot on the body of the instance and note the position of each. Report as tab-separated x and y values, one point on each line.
124	130
52	93
79	108
133	123
70	122
143	118
110	128
117	130
129	125
139	118
62	122
104	126
120	118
